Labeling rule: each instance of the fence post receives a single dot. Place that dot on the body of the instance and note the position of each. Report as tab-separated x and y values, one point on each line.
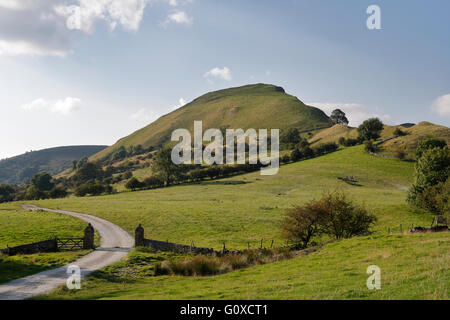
139	235
88	240
271	244
223	248
261	244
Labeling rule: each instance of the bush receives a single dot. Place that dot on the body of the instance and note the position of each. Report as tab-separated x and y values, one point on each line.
342	218
325	148
333	214
301	224
92	189
427	144
400	155
370	146
153	182
296	155
285	159
134	184
58	192
399	132
436	198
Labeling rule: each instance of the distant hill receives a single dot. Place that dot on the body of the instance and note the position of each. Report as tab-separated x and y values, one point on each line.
251	106
21	168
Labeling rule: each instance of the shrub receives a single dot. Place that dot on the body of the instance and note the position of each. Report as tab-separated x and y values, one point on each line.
285	159
399	132
301	224
427	144
400	154
153	182
370	146
325	148
296	155
436	198
58	192
134	184
334	214
342	218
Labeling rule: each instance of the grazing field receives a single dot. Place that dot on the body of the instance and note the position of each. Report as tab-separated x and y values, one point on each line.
248	208
412	267
21	227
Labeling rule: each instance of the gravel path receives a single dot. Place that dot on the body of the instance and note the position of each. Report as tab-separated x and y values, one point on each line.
115	245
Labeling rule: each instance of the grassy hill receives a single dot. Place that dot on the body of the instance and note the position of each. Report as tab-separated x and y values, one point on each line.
18	169
214	211
252	106
407	143
416	133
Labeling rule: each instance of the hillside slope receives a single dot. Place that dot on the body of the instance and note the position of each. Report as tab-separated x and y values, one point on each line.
252	106
18	169
406	144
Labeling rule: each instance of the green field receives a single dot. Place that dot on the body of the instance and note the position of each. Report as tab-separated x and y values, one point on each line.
247	208
22	227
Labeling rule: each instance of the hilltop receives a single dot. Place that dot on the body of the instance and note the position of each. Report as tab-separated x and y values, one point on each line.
21	168
251	106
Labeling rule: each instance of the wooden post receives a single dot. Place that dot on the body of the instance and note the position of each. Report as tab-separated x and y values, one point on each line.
271	244
223	247
139	236
261	244
389	230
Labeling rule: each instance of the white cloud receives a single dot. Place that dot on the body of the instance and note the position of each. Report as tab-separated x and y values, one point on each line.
178	17
62	106
224	74
356	113
441	106
42	28
126	13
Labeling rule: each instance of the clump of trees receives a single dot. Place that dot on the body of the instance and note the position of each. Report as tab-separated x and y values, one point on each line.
334	215
338	117
94	189
370	129
349	142
431	189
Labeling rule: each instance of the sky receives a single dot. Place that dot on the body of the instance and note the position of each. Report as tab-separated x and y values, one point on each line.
76	72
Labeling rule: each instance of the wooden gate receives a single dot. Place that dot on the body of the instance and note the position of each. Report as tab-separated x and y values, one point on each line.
70	244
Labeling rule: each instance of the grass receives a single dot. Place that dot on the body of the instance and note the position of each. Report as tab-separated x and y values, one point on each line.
21	227
412	267
252	106
248	208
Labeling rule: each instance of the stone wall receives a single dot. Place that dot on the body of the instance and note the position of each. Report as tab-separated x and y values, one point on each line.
37	247
173	247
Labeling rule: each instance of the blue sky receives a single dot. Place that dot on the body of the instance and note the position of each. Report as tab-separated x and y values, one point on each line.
91	72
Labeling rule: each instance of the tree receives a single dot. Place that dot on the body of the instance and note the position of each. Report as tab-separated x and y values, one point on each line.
153	182
134	184
370	129
296	155
342	218
301	224
6	193
58	192
42	181
90	171
429	143
338	117
164	168
290	136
